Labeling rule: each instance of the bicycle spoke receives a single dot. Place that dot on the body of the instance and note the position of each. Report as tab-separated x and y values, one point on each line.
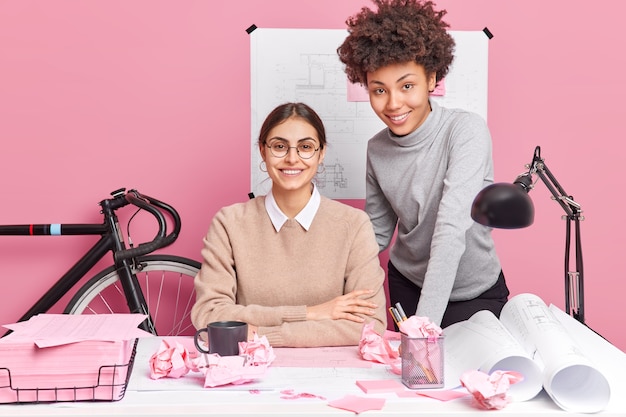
166	283
104	302
186	317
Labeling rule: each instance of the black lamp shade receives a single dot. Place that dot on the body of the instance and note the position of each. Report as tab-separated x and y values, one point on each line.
503	206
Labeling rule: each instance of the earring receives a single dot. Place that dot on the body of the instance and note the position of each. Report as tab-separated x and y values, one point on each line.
323	168
263	166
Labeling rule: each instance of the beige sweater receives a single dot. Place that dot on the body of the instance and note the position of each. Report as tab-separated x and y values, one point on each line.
266	278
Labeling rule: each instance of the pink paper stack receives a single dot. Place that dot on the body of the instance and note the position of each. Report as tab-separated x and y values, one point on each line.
60	358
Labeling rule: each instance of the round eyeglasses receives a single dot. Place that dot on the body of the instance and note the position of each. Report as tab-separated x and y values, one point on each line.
305	149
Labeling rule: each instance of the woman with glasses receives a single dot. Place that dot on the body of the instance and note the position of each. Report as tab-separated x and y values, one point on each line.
299	268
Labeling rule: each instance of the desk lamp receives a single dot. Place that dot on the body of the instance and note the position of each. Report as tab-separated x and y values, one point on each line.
508	206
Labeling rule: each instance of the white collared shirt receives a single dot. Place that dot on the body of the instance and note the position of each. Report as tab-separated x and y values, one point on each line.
305	217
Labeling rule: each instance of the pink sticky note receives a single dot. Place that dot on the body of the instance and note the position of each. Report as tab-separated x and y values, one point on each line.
356	92
445	395
358	404
380	385
440	89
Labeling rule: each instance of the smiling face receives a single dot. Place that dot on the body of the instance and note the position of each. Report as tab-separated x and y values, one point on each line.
292	175
399	95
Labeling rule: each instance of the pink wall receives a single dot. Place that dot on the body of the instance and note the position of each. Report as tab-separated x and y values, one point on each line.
147	88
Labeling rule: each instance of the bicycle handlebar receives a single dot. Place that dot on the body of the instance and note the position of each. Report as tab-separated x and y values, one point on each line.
156	208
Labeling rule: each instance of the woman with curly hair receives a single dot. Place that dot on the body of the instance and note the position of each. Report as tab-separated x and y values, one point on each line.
425	167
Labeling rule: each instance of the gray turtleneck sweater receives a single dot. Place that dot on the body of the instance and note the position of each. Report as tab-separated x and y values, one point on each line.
424	183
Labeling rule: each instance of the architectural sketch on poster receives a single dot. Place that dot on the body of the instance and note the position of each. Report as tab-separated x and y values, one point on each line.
302	65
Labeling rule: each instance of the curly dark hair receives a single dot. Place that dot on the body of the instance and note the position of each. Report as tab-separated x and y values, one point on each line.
400	31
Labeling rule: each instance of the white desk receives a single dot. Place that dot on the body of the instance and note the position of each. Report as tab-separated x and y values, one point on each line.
185	397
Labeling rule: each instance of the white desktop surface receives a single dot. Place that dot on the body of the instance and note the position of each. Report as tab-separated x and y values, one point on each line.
186	397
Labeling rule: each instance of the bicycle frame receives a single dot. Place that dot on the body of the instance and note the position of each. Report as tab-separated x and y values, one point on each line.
111	240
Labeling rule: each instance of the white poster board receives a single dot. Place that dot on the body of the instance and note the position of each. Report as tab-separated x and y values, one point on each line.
302	65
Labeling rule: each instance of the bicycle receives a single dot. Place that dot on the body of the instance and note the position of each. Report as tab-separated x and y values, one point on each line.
137	282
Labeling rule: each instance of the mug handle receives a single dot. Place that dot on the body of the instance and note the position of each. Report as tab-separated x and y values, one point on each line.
197	343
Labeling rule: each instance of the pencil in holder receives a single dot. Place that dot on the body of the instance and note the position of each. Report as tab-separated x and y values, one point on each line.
422	361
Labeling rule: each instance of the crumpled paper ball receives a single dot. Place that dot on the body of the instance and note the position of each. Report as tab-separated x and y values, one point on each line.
171	360
373	347
416	326
257	351
254	358
490	390
222	370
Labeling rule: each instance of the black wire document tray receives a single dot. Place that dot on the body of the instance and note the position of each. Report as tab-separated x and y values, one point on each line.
104	383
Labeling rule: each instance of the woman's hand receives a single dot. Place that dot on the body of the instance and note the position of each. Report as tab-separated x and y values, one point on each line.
345	307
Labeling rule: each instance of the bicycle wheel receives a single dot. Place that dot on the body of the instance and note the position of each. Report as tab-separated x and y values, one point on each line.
167	284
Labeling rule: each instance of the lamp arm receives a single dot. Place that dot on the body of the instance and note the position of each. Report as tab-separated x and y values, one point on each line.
574	283
538	166
574	280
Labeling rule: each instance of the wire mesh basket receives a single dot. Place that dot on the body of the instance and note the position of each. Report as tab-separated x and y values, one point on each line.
110	385
422	361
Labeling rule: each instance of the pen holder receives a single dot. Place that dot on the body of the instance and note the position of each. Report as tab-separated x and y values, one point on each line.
422	361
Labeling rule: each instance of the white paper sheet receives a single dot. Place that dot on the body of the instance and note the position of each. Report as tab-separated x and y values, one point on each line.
569	377
47	330
302	65
528	339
